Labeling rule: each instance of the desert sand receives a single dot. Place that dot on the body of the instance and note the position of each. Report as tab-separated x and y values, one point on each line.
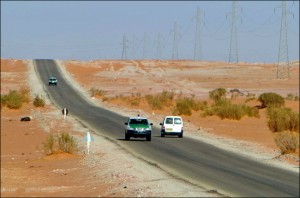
109	170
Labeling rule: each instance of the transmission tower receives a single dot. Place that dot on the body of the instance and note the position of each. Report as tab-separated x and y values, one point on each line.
124	54
197	47
175	42
233	52
159	47
283	69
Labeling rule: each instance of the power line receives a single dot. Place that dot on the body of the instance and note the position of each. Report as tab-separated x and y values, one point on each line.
124	54
175	42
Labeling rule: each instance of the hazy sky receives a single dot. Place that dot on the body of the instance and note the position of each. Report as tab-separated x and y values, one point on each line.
87	30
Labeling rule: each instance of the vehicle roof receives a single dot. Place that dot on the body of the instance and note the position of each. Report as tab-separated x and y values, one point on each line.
173	117
138	118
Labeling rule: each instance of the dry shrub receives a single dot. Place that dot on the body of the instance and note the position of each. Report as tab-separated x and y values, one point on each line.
97	92
38	101
158	101
271	99
62	142
287	142
217	94
281	119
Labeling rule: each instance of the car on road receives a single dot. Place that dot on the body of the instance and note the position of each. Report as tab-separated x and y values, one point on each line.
138	127
52	81
172	125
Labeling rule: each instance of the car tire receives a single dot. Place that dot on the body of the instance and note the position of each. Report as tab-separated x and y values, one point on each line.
180	135
127	137
148	138
162	134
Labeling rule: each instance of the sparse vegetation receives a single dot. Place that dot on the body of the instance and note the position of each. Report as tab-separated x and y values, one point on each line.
38	101
62	142
287	142
225	109
158	101
292	97
281	119
271	99
184	106
217	94
97	92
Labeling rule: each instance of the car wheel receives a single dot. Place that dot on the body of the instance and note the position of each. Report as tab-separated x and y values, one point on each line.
148	138
162	134
180	135
127	137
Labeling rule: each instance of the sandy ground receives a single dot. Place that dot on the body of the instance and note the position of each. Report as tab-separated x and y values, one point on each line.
108	170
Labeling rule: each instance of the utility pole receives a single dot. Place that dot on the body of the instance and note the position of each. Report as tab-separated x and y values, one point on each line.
283	67
197	47
144	46
124	54
175	42
233	52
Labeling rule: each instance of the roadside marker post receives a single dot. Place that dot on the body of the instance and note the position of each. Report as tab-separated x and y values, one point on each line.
65	112
88	138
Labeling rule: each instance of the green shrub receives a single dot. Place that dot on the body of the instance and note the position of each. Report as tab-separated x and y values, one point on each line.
62	142
38	101
184	106
217	94
281	119
286	141
271	99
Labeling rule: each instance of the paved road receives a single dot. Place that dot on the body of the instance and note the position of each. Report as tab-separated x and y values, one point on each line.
190	159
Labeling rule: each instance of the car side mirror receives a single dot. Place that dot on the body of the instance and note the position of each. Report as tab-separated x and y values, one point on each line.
126	123
151	124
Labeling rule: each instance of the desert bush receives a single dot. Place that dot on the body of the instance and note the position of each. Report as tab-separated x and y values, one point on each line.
62	142
38	101
66	143
184	106
13	99
97	92
271	99
225	109
281	119
286	141
160	100
292	97
135	101
217	94
50	146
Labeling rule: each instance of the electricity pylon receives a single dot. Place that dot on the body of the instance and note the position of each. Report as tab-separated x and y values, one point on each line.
283	67
197	47
175	42
233	52
124	54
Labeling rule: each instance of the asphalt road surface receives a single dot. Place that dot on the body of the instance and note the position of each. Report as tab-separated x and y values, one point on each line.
197	162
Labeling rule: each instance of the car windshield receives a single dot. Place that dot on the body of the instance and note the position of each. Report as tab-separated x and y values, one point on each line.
138	121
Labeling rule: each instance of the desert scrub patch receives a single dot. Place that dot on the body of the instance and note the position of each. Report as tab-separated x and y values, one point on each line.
185	106
13	100
271	99
62	142
281	118
217	94
38	101
226	110
286	141
97	92
292	97
158	101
